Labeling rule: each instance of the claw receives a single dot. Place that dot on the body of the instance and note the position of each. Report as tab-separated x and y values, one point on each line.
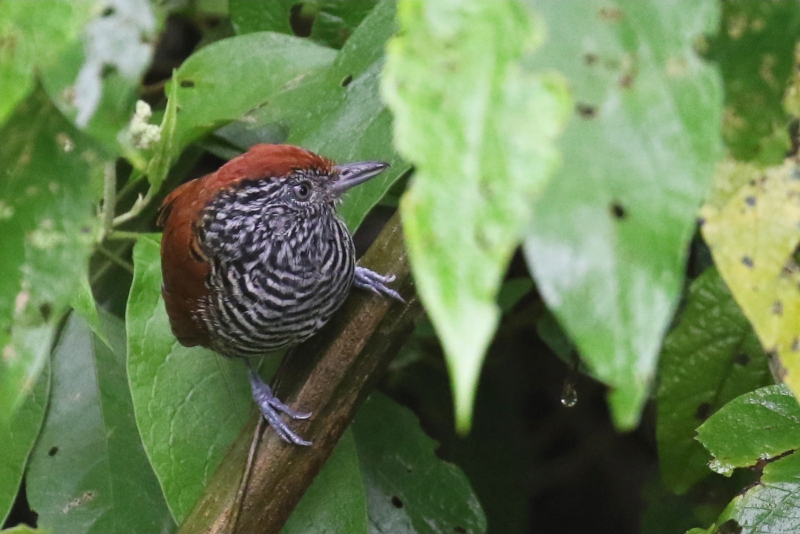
271	408
372	281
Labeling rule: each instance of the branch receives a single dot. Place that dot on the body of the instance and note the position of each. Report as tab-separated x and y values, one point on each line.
330	375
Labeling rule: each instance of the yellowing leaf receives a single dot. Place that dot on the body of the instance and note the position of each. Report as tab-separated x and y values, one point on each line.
752	239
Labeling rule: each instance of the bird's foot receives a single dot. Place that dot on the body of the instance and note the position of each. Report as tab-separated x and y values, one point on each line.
372	281
271	408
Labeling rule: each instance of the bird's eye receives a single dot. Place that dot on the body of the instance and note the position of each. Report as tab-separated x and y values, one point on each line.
302	191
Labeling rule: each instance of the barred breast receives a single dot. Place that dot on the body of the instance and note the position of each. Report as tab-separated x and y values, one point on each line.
275	278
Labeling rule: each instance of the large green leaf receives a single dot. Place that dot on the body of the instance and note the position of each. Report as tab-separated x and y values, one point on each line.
387	479
333	20
88	472
337	111
33	34
336	501
609	235
410	490
226	79
47	175
480	130
710	358
759	429
17	437
190	403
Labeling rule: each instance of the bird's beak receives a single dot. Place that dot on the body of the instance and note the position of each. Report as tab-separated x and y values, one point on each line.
352	174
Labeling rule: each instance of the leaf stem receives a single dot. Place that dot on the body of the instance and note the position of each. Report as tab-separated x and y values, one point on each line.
138	206
109	196
115	259
121	234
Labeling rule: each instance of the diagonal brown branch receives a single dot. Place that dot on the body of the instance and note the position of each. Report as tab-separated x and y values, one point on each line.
329	375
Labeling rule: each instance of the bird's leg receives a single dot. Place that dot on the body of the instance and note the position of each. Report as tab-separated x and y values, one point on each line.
271	408
372	281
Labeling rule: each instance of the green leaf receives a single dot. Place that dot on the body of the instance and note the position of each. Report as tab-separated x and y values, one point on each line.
33	34
231	77
88	471
480	130
608	240
756	426
753	238
387	479
336	500
332	21
754	51
710	358
47	202
338	112
770	507
85	305
96	80
167	148
17	437
222	82
759	429
190	403
409	489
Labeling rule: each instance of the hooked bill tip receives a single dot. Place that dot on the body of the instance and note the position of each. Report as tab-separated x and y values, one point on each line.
353	174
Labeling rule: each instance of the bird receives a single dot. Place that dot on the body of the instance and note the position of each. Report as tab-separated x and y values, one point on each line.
255	258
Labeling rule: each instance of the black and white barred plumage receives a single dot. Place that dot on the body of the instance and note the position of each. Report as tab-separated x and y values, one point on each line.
254	258
281	265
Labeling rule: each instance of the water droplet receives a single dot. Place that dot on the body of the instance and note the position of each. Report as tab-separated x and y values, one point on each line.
569	395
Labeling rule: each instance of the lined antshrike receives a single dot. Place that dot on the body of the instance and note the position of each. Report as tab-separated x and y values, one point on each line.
255	258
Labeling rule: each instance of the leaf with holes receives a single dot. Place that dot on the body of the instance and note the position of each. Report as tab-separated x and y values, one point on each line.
385	477
410	490
88	471
480	130
710	358
752	239
331	21
226	79
607	245
48	173
337	112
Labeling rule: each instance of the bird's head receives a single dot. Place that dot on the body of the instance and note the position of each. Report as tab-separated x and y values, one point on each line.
296	177
284	180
